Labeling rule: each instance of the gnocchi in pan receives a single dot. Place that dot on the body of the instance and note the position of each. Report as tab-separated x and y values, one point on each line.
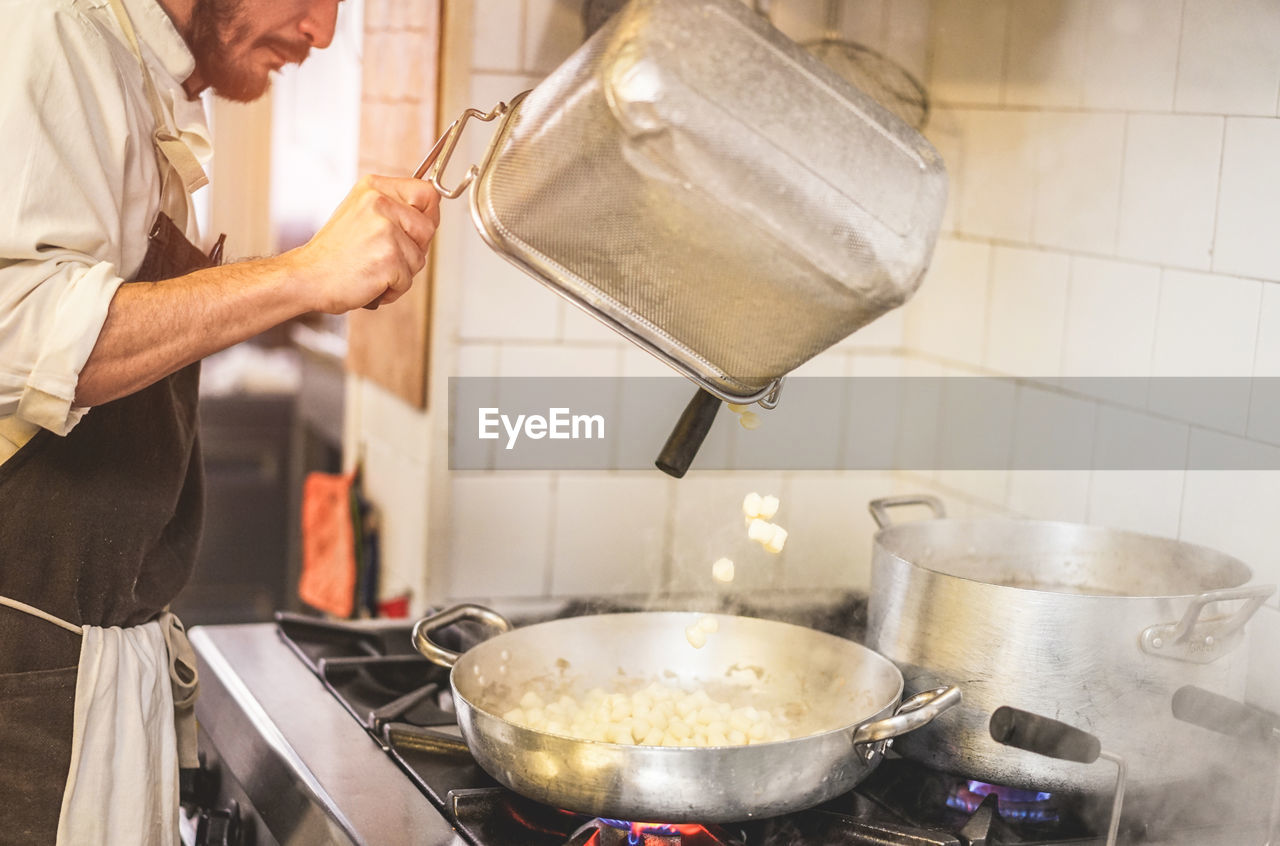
656	715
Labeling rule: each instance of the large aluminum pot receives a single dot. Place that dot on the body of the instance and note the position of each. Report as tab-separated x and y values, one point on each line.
844	700
1094	627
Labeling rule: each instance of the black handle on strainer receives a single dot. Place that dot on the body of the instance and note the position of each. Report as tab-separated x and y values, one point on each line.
689	433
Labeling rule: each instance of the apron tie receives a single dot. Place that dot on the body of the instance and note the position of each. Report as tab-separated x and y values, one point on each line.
185	683
43	615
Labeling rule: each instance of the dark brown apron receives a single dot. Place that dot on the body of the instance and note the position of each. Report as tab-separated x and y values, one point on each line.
100	528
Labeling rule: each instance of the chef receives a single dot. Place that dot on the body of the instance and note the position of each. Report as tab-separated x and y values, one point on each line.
106	307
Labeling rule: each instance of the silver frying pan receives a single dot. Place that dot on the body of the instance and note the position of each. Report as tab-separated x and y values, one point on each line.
842	699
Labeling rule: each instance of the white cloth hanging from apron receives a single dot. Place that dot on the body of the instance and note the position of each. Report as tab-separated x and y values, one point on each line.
122	787
134	724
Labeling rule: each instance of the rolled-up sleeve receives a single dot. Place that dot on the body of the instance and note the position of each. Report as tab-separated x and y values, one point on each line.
70	167
46	336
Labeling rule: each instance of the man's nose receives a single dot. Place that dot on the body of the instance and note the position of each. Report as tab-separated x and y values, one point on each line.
319	22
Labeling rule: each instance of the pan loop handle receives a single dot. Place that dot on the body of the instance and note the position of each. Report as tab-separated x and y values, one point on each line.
438	159
879	508
914	713
443	655
1200	640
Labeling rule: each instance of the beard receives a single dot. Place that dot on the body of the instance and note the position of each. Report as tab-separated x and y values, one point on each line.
219	40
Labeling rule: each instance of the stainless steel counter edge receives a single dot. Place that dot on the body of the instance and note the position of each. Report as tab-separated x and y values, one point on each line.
318	777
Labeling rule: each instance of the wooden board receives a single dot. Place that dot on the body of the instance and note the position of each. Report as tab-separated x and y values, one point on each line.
399	115
389	346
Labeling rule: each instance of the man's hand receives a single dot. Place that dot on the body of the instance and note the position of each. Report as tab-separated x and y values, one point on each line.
371	247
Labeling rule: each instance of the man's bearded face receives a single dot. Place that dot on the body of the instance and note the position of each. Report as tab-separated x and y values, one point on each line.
235	52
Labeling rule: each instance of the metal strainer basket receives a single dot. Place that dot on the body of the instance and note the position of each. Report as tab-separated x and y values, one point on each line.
710	190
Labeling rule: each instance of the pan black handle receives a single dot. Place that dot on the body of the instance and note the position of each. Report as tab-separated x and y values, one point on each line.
1042	735
1216	712
689	433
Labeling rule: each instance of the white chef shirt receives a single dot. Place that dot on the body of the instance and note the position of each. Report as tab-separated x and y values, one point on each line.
80	188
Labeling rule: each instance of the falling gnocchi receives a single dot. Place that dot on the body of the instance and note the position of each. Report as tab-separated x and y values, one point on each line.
656	715
772	537
764	507
697	633
746	418
758	511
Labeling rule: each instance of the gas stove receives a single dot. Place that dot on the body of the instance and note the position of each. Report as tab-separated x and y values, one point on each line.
321	732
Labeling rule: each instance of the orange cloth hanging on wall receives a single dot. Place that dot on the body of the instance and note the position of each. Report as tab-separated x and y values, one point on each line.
328	581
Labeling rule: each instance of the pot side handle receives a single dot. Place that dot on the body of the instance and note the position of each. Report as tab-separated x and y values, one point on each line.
918	711
879	508
1202	640
443	655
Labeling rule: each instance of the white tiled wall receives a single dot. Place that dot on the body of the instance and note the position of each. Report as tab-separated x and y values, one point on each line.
1228	64
1028	303
1078	166
1111	318
1114	211
947	317
1249	199
1114	166
1168	189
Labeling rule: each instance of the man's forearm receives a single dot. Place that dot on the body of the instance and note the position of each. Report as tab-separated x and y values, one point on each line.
155	328
367	252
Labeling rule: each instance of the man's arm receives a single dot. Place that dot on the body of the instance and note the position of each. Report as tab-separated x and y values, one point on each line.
368	251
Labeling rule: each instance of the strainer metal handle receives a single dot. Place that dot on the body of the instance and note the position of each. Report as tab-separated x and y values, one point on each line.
438	159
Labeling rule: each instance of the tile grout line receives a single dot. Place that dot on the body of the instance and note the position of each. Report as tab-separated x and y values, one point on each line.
996	241
1257	343
1002	91
1217	194
1124	162
1177	62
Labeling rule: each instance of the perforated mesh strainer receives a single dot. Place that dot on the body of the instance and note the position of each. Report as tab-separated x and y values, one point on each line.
879	77
884	80
710	190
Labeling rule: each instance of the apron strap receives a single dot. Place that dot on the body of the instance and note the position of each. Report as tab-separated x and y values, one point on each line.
43	615
171	147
